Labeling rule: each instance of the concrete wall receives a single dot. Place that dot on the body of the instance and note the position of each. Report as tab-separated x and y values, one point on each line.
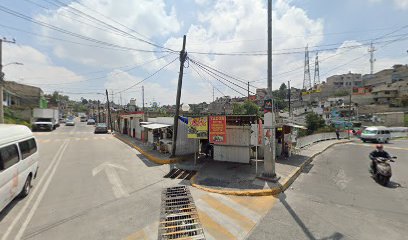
236	148
185	145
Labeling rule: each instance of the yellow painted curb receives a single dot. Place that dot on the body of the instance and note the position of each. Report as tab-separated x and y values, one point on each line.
262	192
152	158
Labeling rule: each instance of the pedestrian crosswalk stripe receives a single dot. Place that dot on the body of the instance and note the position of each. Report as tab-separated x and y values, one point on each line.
221	218
257	204
248	213
241	220
212	228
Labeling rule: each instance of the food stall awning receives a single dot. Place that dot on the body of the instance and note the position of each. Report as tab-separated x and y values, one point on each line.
156	126
295	126
145	123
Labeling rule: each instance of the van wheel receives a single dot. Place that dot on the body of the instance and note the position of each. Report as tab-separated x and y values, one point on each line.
27	187
386	141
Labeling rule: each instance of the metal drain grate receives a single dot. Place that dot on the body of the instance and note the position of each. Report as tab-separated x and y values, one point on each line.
177	173
179	217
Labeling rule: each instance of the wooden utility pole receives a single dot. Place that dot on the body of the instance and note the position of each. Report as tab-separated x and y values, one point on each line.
183	56
99	111
248	91
109	111
289	100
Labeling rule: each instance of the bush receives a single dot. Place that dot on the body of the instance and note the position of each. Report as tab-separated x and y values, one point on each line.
325	129
314	122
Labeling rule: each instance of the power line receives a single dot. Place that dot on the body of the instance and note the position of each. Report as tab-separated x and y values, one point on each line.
208	70
212	75
151	75
100	77
203	78
30	19
243	81
59	3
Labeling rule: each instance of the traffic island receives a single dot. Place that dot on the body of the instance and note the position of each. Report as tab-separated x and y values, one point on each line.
241	179
149	153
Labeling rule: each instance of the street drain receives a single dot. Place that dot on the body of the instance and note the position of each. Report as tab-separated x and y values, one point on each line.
177	173
178	216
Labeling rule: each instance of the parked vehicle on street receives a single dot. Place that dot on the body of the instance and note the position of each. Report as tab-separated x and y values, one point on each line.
90	122
18	162
376	134
56	118
43	119
70	121
101	128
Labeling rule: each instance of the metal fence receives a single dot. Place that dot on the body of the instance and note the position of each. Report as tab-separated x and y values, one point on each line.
307	140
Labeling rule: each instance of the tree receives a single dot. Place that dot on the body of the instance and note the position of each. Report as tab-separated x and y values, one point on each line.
250	108
84	101
314	122
238	108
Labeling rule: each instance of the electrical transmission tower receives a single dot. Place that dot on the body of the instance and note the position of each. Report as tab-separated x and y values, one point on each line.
316	77
306	79
371	50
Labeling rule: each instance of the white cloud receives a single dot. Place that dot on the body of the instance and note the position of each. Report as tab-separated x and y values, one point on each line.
402	4
38	69
149	18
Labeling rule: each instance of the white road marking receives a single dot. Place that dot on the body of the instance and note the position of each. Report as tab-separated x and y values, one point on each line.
41	194
113	177
244	211
32	194
225	221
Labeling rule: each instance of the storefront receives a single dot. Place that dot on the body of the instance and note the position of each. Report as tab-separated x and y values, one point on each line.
129	124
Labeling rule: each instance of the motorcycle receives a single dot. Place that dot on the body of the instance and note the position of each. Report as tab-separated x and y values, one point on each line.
382	172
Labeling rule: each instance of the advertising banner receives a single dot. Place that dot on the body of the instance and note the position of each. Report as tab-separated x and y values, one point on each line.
197	127
218	129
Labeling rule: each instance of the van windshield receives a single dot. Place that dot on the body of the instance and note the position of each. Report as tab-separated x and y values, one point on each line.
370	131
43	119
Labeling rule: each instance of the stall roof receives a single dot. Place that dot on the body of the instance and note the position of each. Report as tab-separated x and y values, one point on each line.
145	122
156	125
295	126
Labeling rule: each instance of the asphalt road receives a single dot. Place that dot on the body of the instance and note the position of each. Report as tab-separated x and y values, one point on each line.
335	198
96	187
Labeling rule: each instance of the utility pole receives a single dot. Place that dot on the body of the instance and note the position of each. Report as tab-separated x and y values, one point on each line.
290	114
371	50
306	76
121	101
99	112
109	111
143	104
248	91
269	116
2	78
183	56
349	122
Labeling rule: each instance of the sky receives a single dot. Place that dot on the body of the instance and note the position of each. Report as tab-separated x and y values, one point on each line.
82	47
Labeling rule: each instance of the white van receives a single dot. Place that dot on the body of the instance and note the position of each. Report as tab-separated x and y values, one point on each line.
18	162
376	134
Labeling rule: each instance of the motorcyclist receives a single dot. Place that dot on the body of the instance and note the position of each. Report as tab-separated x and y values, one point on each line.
378	152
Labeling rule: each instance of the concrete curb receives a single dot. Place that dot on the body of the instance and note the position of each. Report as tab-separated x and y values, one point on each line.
151	158
264	192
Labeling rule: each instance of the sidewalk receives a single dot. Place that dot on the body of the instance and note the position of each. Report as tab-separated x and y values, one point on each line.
240	179
147	150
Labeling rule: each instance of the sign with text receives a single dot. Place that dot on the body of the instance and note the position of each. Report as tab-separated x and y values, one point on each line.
218	129
197	127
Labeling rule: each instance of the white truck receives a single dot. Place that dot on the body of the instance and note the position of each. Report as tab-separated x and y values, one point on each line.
56	118
43	119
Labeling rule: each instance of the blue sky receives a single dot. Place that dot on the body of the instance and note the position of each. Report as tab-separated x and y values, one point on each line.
227	26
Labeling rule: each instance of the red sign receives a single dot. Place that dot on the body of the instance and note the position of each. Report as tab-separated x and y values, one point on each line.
218	129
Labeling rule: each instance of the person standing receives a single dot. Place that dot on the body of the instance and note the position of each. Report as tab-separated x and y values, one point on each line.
338	134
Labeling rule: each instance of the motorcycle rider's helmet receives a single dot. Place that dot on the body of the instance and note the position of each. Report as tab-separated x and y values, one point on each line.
379	147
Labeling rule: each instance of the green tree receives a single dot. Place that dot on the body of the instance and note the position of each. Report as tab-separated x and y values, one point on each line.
314	122
250	108
238	108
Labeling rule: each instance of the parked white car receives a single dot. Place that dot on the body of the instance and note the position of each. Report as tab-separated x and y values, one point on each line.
18	162
376	134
